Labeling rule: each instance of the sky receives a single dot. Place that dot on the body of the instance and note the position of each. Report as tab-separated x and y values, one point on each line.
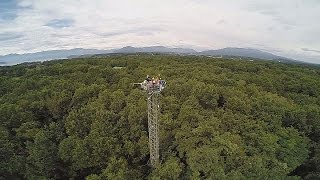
289	28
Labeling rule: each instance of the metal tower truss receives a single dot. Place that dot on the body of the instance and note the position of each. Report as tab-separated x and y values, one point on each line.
153	87
153	126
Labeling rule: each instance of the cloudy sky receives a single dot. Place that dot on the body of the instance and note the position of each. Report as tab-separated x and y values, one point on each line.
289	28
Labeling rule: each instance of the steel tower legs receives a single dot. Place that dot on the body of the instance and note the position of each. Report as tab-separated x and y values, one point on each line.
153	127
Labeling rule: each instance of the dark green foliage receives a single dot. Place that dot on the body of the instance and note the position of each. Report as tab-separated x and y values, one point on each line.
221	119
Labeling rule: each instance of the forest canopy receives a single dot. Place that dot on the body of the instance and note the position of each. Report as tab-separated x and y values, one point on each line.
220	119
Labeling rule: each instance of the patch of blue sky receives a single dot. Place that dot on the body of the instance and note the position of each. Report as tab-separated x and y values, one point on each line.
60	23
8	9
9	36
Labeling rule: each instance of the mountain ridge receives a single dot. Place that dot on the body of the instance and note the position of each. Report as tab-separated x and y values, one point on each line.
12	59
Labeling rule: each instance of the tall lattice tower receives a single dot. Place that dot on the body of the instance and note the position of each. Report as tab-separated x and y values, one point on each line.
153	87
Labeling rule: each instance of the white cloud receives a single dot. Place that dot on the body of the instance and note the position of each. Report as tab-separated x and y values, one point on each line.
286	26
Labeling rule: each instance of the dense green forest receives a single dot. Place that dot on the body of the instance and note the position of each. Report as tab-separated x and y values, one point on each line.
220	119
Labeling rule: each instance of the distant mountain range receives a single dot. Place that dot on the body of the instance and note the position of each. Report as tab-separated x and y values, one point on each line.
12	59
242	52
158	49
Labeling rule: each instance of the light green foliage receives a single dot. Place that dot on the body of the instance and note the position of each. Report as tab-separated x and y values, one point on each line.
220	119
42	157
171	169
